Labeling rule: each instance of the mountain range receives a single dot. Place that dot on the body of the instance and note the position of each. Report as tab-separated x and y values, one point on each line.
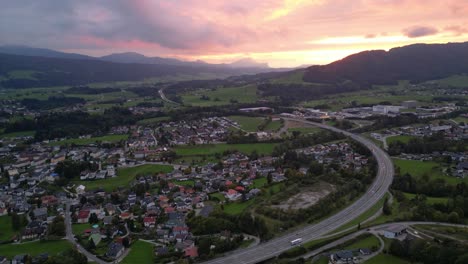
416	63
125	57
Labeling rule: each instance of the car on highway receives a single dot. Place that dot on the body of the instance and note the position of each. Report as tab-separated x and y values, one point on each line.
296	241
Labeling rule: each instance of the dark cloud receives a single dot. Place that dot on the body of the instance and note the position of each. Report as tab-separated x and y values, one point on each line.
58	24
420	31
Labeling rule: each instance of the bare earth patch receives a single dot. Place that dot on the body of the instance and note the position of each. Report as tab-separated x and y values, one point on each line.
307	197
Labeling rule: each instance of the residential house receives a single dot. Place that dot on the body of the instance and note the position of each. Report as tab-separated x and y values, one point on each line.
115	250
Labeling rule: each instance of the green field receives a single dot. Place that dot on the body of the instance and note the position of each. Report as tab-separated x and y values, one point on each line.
18	134
260	182
34	248
212	149
293	77
125	176
221	96
460	81
430	200
386	259
20	74
153	120
86	141
6	231
394	94
219	196
189	183
236	208
140	252
402	138
273	126
457	232
419	168
247	123
79	229
304	130
369	242
460	119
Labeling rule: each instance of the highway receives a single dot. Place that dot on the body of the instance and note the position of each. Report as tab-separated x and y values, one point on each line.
375	192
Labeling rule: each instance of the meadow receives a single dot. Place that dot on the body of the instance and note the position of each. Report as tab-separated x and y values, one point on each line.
34	248
221	96
140	252
212	149
87	141
125	176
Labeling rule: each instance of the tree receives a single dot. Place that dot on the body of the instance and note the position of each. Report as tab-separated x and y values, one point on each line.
57	227
15	221
453	217
126	242
93	219
387	210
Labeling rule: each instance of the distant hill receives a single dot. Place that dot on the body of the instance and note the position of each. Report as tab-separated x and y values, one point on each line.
51	71
133	57
125	57
248	62
29	51
417	63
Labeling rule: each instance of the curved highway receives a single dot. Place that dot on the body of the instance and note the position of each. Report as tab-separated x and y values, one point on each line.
376	192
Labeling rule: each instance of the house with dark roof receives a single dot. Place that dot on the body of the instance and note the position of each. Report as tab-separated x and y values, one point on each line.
115	250
342	257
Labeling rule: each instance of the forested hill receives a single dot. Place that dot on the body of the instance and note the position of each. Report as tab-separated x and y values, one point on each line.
47	71
417	63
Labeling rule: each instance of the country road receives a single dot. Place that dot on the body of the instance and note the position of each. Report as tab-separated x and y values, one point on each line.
372	230
375	192
164	98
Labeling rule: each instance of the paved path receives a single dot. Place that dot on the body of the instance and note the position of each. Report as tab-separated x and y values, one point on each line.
70	237
376	191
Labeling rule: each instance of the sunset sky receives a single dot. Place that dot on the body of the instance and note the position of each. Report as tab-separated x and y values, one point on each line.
283	33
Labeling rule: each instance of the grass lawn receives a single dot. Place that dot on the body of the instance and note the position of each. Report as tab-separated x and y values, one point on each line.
189	183
153	120
458	232
18	134
247	123
402	138
418	168
260	182
34	248
6	231
221	96
79	229
212	149
460	119
366	242
430	200
236	208
273	126
304	130
86	141
363	217
140	252
125	176
386	259
218	196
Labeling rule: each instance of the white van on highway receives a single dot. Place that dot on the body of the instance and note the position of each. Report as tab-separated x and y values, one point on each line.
296	241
